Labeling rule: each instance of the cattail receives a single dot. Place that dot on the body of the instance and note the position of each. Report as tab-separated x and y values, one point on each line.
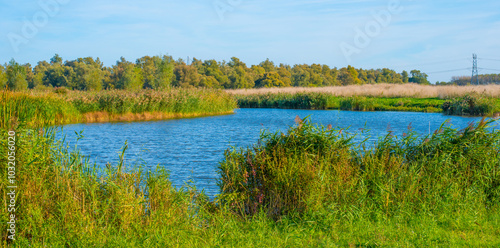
298	120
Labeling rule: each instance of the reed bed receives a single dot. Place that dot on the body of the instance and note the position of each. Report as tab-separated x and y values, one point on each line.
473	104
382	90
117	105
314	100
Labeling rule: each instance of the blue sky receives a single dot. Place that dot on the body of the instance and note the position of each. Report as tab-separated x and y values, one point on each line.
433	36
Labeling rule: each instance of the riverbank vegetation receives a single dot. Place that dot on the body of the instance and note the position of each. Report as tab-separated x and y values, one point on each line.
451	100
310	186
472	105
328	101
410	90
63	106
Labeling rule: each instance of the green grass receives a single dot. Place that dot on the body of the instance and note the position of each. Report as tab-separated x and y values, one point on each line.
469	105
327	101
308	187
83	106
472	105
170	101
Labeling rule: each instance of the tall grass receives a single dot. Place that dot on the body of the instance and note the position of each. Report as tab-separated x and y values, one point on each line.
382	90
83	106
472	105
314	169
46	110
313	100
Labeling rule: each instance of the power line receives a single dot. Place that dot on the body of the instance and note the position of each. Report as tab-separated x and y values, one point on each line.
489	59
435	72
489	69
433	63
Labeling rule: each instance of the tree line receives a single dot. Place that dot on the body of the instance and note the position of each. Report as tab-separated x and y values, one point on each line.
481	79
159	72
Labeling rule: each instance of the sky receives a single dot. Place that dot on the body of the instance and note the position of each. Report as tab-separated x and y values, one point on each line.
436	37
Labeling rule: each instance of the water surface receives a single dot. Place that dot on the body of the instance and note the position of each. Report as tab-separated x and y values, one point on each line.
191	148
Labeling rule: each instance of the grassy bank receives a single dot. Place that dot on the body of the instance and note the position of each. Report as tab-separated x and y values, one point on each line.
66	107
308	187
468	105
328	101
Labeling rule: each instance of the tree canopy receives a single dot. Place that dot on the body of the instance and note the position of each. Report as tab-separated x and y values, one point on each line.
160	72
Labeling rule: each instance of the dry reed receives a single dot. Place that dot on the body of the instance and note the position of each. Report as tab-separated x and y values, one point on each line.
383	90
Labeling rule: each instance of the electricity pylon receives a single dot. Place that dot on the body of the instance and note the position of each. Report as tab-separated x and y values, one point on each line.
474	70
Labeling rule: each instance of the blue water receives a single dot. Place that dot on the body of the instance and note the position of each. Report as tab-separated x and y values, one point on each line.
191	148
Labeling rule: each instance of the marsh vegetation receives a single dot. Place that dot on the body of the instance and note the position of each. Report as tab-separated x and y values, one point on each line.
308	186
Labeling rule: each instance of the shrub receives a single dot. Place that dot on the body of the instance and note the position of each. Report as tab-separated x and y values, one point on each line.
471	105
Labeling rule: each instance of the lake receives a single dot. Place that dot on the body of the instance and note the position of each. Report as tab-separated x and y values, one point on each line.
191	148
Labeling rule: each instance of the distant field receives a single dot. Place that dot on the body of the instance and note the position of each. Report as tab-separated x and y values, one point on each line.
383	90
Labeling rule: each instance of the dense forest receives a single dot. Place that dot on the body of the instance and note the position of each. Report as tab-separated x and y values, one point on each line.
160	72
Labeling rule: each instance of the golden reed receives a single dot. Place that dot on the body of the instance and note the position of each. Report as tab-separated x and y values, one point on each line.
383	90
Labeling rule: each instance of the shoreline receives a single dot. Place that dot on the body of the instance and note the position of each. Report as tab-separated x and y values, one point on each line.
106	117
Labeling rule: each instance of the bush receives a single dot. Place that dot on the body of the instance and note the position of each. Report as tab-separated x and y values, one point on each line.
281	175
469	105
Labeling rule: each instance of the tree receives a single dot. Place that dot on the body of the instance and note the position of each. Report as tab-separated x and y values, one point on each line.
16	76
300	76
148	67
271	79
349	76
257	72
56	59
157	71
208	82
39	73
235	62
3	77
164	73
345	77
58	75
213	69
239	75
404	76
127	76
285	75
30	76
240	78
268	65
186	76
418	77
87	74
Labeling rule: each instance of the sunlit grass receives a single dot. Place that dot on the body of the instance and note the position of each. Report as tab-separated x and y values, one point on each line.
382	90
116	105
470	104
327	101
